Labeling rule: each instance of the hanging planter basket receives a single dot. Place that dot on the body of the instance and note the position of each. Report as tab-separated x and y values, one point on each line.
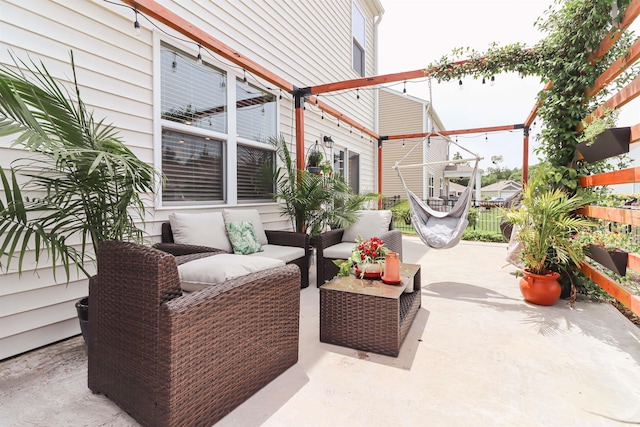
610	143
615	261
315	156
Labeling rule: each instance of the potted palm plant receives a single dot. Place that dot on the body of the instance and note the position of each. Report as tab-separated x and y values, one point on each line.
312	201
87	182
545	225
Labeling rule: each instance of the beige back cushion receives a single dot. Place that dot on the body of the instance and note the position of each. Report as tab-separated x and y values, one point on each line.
369	224
237	215
204	229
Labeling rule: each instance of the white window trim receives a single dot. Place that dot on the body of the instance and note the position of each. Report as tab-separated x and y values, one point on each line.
230	139
363	46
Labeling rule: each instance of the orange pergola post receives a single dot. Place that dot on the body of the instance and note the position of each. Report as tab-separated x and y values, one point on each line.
299	113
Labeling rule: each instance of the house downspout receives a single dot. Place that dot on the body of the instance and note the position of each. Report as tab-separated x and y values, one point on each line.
376	110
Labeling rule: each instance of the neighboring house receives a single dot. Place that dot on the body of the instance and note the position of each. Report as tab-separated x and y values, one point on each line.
502	189
455	190
203	125
402	114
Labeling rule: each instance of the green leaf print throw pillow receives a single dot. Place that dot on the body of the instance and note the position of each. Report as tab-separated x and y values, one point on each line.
243	237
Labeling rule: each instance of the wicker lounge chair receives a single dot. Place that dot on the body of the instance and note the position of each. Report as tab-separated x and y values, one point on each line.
183	360
326	269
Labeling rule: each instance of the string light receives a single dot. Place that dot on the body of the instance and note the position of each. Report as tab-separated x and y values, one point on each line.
174	64
404	90
317	99
322	115
350	129
358	93
199	59
244	79
338	121
493	81
460	84
280	93
483	80
486	138
136	25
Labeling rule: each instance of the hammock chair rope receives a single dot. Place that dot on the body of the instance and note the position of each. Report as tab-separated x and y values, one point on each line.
439	230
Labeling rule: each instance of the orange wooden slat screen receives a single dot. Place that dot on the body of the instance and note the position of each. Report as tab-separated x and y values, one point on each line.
632	302
626	216
623	176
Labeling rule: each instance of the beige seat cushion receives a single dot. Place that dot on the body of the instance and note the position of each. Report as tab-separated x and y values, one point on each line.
204	229
284	253
197	274
369	224
236	215
340	251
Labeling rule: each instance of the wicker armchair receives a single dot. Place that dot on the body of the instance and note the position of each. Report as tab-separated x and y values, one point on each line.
174	360
326	269
275	237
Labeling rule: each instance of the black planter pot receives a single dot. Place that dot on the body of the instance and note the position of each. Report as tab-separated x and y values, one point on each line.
615	261
610	143
82	307
314	169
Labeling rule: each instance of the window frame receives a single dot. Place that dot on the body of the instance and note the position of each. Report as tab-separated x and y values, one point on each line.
357	44
230	140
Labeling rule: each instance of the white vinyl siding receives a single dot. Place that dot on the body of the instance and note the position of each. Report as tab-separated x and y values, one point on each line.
399	115
117	71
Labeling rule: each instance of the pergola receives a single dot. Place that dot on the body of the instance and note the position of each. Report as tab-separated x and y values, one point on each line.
310	94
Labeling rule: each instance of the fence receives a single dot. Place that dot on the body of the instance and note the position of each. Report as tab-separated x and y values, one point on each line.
488	217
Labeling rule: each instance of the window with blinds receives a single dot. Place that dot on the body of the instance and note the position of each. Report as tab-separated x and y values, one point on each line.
195	95
255	174
192	94
358	37
193	168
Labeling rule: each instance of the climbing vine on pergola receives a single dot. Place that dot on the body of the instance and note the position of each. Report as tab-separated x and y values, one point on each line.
568	57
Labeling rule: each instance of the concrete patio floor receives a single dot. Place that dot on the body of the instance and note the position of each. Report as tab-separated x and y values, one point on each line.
476	355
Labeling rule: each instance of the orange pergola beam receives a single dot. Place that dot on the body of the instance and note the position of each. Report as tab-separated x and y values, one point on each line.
632	302
623	176
626	95
313	100
630	14
456	132
368	81
615	69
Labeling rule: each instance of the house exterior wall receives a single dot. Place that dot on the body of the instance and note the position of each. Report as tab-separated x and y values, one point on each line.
118	82
398	115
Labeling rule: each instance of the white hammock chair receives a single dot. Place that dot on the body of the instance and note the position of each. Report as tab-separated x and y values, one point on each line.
439	230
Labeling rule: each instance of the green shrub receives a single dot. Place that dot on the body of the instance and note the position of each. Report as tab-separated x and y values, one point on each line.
482	236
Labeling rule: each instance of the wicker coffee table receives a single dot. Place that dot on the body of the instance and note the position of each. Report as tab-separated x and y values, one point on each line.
369	314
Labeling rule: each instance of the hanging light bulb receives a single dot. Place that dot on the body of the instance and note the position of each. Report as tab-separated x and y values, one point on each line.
358	93
317	99
199	59
460	86
280	93
338	122
483	80
245	82
263	109
136	25
404	90
174	64
322	115
493	81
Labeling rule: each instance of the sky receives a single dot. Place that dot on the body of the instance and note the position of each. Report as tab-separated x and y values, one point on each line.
414	33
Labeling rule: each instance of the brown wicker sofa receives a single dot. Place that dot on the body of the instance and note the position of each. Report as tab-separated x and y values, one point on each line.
274	237
184	360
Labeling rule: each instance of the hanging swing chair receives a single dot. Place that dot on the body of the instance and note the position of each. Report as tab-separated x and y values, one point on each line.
439	230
